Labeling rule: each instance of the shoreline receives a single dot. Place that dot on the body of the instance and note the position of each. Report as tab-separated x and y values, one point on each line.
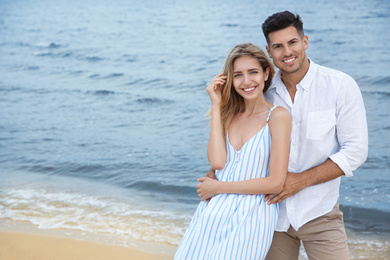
23	240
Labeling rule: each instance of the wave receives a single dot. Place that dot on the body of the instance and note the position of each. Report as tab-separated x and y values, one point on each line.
363	219
162	188
65	209
94	76
367	80
54	209
152	81
128	58
134	82
377	92
153	100
374	15
339	42
32	68
51	54
54	45
158	82
87	172
319	31
56	51
113	75
229	25
94	59
110	76
382	81
101	92
377	162
46	45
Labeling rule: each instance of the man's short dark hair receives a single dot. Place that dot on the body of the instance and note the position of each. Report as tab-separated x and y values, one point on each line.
280	21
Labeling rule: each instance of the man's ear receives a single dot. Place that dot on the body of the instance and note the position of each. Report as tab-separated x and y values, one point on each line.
305	41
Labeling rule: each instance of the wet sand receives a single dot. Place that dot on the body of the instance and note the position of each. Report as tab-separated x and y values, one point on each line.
22	240
15	245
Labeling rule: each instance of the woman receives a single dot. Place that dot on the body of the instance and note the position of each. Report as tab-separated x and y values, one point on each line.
236	223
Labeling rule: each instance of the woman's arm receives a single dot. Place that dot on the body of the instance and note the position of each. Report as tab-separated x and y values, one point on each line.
216	149
280	128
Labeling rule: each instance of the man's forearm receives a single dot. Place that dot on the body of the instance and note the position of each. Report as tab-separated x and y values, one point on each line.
295	182
322	173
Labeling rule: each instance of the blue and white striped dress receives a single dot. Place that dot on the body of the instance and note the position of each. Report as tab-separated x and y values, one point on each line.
234	226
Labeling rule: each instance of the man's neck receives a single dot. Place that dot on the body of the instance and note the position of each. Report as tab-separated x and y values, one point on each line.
291	80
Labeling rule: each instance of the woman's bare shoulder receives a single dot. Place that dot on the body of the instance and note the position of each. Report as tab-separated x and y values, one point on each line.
280	113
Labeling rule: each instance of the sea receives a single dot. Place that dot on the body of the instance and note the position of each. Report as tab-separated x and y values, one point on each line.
103	106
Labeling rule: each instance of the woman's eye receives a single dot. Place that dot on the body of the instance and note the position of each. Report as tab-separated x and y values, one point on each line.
236	75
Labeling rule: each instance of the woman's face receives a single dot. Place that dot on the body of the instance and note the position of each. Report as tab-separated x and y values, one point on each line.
248	77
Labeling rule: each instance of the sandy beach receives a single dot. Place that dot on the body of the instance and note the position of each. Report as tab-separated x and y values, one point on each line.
15	245
22	240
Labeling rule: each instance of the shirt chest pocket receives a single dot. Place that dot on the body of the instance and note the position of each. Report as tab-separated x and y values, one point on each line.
320	123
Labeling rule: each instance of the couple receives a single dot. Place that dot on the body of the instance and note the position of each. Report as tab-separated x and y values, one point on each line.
264	199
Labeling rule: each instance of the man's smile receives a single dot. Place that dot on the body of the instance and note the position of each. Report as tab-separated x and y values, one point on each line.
289	60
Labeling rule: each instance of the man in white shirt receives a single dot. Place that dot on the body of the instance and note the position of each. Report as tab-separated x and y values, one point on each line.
328	140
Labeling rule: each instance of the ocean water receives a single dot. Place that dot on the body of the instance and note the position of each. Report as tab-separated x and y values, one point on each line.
103	106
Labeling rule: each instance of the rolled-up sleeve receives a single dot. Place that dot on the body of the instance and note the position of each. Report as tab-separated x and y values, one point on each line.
351	128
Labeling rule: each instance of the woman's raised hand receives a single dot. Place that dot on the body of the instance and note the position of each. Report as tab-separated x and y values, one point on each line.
215	89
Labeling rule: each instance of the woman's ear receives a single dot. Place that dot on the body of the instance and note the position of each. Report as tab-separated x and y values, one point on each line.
266	74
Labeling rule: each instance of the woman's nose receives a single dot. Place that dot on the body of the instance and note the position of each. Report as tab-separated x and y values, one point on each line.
247	79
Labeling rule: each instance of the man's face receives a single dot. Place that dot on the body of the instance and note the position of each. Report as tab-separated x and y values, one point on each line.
287	49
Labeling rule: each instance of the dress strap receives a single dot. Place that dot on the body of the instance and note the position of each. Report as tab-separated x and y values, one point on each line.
269	114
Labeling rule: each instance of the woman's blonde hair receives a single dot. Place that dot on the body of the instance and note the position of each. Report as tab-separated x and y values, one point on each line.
232	103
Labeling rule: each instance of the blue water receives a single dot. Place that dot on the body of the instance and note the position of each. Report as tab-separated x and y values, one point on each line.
103	106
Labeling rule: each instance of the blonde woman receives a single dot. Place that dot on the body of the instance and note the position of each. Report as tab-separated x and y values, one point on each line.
233	221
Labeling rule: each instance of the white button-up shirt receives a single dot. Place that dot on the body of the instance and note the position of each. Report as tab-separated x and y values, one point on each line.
328	121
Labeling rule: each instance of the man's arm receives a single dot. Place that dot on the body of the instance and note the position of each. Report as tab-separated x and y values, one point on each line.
352	135
211	174
295	182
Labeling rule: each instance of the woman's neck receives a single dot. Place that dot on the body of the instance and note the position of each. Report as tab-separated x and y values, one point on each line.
256	106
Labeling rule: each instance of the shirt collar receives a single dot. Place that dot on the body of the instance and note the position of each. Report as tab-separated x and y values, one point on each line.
309	77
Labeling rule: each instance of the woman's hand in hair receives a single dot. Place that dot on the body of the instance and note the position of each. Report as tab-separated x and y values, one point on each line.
215	89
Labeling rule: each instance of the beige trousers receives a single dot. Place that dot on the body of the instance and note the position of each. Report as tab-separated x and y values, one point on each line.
324	238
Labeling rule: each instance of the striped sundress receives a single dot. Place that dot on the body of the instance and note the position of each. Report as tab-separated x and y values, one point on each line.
234	226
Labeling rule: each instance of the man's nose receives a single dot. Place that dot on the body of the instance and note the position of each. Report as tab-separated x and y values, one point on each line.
287	51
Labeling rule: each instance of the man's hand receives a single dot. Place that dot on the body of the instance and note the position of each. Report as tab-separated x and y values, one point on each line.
294	183
211	174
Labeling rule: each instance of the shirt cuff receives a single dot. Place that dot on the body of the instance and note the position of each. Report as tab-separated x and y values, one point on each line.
342	162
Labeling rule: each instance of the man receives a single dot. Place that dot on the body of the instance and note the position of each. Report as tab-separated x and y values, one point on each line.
328	140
